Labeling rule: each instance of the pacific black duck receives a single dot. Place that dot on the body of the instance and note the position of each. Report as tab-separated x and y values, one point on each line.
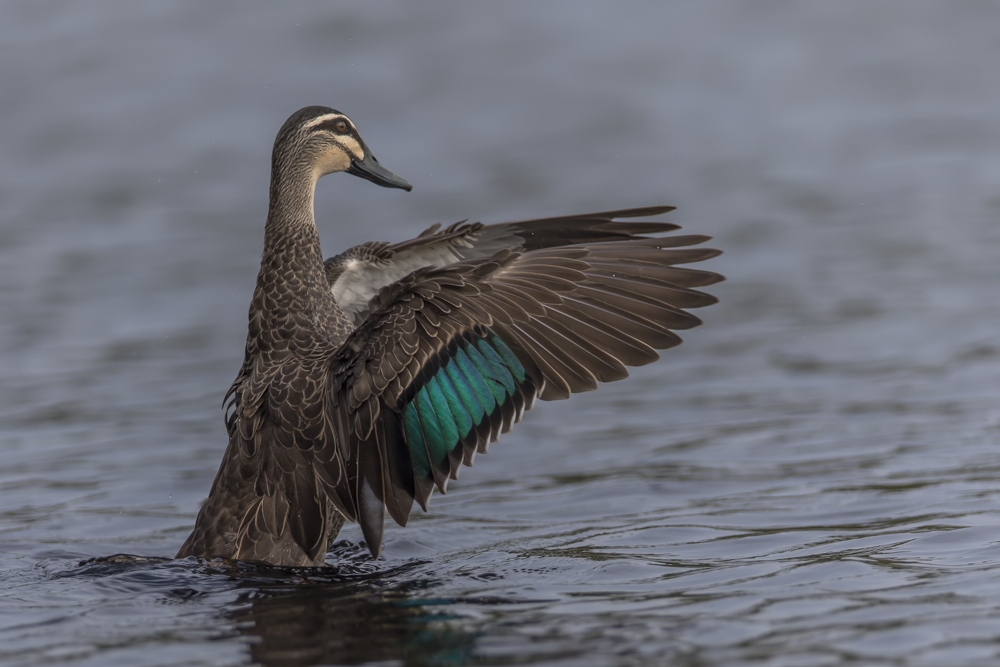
367	382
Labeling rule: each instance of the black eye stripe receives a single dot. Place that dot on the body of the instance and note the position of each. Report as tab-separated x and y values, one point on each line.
331	125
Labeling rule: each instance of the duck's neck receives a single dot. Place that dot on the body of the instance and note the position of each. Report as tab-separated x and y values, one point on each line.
290	207
292	294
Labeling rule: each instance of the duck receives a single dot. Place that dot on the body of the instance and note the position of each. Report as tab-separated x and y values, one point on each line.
370	378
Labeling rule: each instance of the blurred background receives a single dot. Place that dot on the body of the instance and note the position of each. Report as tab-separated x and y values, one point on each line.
809	480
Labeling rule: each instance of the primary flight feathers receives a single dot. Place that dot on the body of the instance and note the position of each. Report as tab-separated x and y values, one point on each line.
449	358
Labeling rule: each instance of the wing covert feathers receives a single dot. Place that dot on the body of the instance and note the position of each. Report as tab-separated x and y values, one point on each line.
356	275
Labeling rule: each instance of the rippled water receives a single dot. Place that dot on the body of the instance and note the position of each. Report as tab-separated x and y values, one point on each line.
811	479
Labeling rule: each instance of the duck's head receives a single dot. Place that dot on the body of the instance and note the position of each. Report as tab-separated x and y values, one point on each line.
326	141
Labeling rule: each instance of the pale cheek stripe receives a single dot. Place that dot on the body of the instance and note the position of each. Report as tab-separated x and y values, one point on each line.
352	147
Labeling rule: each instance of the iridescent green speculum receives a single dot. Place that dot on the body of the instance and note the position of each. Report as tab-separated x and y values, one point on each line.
480	375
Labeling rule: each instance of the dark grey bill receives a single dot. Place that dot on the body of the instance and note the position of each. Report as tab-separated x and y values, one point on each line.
370	169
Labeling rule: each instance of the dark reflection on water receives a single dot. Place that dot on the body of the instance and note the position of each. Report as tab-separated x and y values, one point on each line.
354	613
350	622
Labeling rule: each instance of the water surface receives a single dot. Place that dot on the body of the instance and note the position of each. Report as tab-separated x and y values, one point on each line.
809	480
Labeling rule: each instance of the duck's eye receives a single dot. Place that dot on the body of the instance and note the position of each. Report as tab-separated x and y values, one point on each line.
341	126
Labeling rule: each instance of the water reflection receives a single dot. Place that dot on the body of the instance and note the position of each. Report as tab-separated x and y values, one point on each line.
356	612
349	620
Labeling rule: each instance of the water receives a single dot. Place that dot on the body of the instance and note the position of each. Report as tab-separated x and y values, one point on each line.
811	479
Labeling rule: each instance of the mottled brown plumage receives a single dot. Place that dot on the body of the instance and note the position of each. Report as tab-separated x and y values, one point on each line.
336	418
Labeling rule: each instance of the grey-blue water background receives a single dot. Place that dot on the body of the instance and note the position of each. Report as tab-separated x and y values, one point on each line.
811	479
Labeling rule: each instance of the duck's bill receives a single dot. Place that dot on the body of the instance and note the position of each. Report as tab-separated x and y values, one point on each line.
370	169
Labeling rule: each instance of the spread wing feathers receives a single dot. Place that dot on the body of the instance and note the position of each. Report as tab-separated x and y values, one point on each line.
356	275
451	357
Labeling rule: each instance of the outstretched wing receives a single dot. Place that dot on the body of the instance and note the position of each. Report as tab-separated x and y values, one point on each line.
356	275
450	357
